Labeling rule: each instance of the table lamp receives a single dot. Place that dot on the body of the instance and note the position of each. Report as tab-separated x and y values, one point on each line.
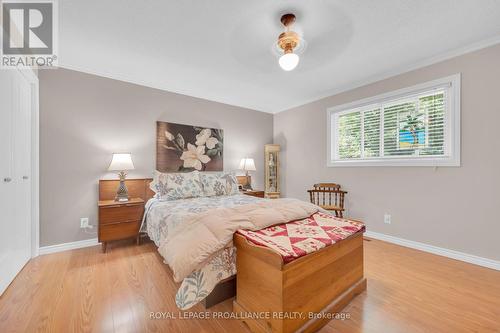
121	163
247	164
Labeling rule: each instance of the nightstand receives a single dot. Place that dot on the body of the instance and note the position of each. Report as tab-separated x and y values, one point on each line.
254	193
119	220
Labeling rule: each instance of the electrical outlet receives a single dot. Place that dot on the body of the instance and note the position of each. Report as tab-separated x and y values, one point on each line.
387	218
84	222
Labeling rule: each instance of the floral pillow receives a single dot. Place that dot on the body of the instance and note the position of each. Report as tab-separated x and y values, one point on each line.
183	185
159	184
220	183
173	186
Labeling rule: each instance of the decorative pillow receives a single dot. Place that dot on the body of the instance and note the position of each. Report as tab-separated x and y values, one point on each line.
159	184
220	183
173	186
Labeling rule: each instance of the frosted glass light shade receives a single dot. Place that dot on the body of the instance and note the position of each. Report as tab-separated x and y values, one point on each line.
247	164
121	162
289	61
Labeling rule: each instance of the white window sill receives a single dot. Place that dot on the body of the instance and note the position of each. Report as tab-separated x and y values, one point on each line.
414	162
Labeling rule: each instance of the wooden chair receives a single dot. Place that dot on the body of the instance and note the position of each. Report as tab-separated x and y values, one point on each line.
328	196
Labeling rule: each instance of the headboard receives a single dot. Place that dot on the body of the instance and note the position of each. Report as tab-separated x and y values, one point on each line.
137	188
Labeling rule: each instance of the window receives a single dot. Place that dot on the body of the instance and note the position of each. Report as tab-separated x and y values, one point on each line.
414	126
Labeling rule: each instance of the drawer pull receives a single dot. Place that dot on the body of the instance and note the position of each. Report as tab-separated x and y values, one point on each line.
118	206
120	222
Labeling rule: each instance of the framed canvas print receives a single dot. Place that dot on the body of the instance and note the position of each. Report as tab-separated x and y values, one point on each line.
184	148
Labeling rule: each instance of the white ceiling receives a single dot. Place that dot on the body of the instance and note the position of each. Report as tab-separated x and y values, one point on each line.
222	50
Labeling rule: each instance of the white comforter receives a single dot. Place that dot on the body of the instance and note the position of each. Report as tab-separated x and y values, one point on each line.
201	235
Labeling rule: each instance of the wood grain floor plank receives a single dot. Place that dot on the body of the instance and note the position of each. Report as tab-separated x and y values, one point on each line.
89	291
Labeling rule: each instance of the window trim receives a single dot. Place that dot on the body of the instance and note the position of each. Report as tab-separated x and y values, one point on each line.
452	83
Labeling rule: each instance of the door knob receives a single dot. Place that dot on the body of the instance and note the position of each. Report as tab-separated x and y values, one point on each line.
7	180
26	177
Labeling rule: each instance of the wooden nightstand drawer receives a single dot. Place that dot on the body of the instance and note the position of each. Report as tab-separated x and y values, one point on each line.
109	232
119	220
121	213
253	193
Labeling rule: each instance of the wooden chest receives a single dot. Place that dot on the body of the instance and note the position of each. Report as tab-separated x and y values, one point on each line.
300	295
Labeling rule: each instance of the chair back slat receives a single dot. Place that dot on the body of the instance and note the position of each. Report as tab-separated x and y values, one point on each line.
328	196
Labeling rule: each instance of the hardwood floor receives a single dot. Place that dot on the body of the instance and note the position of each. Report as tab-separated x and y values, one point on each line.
89	291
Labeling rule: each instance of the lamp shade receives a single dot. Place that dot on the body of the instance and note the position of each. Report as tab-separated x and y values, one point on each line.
121	162
247	164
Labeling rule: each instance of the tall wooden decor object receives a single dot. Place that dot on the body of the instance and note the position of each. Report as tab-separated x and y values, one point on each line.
272	167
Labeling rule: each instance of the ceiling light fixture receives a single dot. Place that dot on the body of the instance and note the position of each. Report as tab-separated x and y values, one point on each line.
287	41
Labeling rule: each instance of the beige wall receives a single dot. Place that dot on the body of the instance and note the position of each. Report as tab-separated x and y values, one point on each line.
84	118
451	207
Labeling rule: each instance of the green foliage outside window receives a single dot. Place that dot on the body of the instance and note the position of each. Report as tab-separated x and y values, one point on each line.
422	119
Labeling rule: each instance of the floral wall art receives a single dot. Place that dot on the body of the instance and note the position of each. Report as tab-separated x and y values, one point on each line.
184	148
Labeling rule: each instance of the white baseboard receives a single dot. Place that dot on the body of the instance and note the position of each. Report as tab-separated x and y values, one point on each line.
485	262
472	259
67	246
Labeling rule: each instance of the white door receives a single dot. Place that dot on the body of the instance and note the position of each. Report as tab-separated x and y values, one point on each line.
15	173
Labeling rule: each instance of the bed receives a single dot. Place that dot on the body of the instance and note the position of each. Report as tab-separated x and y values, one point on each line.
203	241
211	283
163	216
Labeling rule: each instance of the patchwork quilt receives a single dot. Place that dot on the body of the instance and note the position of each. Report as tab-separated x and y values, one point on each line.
296	239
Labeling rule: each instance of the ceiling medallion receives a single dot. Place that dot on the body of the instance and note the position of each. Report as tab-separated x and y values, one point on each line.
288	41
